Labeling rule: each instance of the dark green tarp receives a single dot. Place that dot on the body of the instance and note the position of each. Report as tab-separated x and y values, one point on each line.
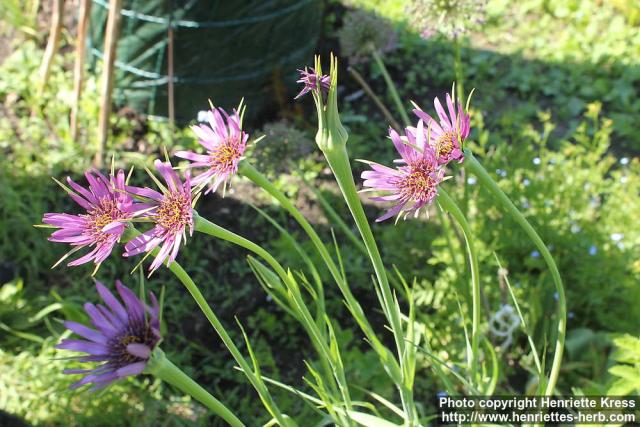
223	50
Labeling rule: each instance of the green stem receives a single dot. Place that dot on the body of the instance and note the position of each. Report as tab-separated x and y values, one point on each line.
392	87
186	280
247	170
450	205
476	168
338	160
457	64
204	226
161	367
188	283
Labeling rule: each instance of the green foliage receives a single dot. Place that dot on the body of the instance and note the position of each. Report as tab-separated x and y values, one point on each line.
627	367
554	123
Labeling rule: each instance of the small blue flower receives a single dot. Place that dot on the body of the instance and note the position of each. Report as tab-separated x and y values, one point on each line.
501	172
442	394
536	160
535	254
624	161
575	228
555	296
472	180
526	182
571	315
593	250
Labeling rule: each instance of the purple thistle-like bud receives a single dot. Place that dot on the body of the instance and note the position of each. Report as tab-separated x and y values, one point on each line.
313	81
107	209
171	211
122	336
411	186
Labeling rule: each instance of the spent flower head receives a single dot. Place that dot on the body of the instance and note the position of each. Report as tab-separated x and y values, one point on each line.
451	18
171	211
364	32
121	336
107	208
447	135
331	134
411	186
225	143
313	81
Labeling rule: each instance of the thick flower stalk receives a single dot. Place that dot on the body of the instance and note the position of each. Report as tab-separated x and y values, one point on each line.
107	209
225	143
122	337
331	139
411	186
171	212
447	135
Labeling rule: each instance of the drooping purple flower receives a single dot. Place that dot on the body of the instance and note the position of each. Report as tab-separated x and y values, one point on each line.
107	209
225	143
446	136
171	211
312	81
122	337
412	185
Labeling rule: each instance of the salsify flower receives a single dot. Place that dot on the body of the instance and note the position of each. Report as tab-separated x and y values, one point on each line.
122	337
412	185
107	209
171	211
446	136
313	81
225	143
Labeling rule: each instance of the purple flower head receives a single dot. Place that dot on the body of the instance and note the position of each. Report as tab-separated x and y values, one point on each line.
122	337
446	136
411	186
313	81
171	211
225	143
107	209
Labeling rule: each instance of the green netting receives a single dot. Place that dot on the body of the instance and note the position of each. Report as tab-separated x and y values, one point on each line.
223	50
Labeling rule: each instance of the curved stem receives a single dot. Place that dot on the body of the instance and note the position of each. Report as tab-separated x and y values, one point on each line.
450	205
255	381
476	168
204	226
247	170
392	87
162	368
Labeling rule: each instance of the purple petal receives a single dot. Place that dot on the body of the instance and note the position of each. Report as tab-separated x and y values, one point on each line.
86	332
139	350
132	369
112	301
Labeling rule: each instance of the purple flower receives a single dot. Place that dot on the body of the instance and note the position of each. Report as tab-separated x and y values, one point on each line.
107	209
225	143
312	81
122	337
171	211
411	186
447	135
